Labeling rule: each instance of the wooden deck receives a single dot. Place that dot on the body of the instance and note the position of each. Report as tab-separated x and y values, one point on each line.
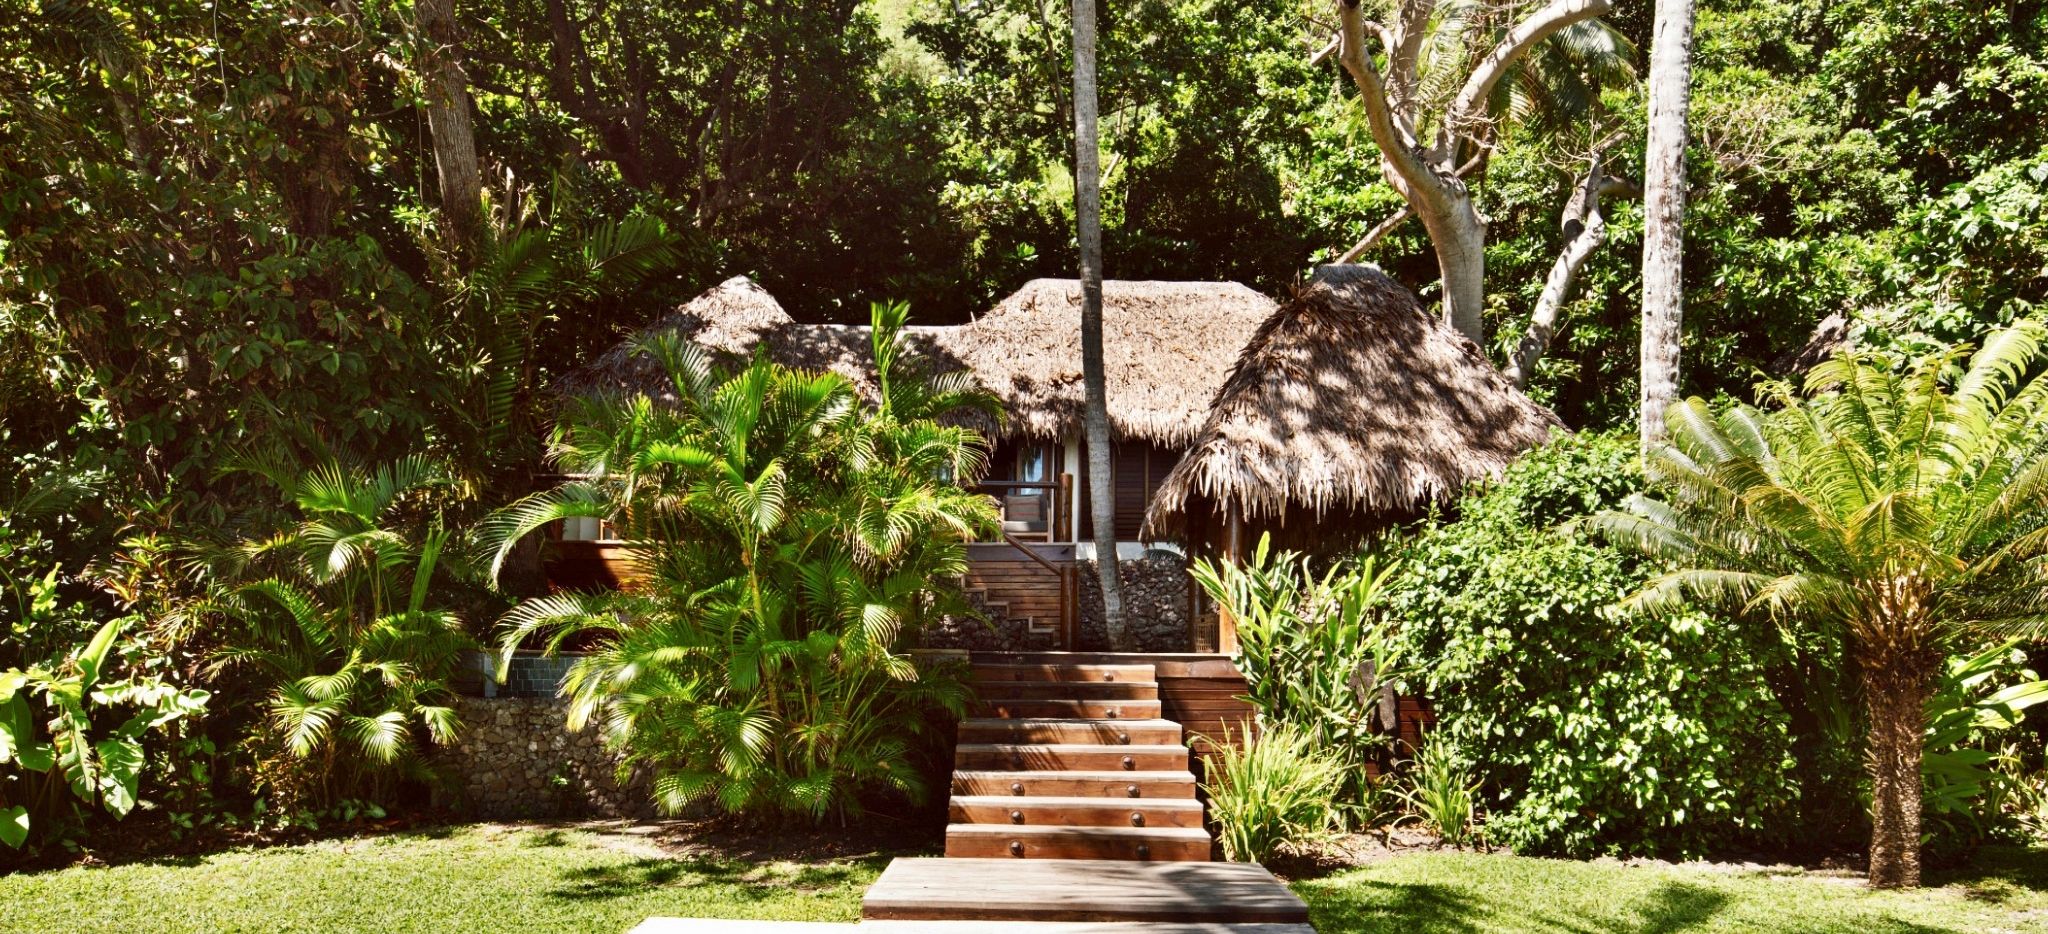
989	890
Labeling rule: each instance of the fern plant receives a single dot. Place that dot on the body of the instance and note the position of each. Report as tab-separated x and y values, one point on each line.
792	537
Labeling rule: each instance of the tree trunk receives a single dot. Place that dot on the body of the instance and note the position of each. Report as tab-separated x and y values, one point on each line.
1895	695
1585	230
448	119
1459	237
1664	213
1088	220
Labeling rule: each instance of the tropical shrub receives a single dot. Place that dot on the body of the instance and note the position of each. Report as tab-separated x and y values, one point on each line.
1977	702
1276	791
335	626
1594	730
794	538
61	749
1315	649
1439	792
1903	510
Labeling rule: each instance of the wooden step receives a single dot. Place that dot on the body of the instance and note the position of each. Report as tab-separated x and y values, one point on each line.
1071	757
1120	732
1075	812
1156	844
1075	784
1065	673
1072	690
1010	889
1010	707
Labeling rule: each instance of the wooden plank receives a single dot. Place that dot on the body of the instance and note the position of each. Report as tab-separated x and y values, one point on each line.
1074	812
1138	844
1100	758
1079	890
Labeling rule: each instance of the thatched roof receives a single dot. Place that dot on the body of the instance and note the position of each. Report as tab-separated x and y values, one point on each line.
1352	398
1167	347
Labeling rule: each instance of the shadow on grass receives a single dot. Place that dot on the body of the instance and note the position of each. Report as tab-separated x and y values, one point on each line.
742	881
1997	874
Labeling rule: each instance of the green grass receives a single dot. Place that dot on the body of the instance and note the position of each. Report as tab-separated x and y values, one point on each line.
2007	890
476	877
488	877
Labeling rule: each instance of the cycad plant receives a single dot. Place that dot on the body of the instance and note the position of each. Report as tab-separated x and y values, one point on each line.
338	623
791	534
1905	509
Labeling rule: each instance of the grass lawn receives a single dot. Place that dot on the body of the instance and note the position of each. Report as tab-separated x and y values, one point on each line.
527	878
2006	890
471	878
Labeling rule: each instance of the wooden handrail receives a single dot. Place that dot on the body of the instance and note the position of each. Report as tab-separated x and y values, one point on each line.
1025	547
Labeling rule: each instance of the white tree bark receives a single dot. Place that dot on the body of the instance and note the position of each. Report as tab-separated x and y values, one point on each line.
449	122
1585	231
1664	213
1425	174
1095	416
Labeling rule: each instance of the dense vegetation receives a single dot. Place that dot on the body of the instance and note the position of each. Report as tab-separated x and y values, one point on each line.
258	382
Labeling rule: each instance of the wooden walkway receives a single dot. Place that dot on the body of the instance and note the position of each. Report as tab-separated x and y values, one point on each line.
1080	890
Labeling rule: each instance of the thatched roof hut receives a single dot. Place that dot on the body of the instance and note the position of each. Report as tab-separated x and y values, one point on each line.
733	319
1167	347
1350	399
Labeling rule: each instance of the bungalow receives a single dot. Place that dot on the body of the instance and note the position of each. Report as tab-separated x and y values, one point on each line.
1348	405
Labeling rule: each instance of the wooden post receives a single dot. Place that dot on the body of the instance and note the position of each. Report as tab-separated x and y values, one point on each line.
1063	509
1233	553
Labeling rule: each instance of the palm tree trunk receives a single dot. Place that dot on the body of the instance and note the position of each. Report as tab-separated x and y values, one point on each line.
1895	694
1095	417
1664	212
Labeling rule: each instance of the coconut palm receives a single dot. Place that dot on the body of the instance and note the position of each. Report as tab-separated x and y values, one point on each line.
1906	510
789	535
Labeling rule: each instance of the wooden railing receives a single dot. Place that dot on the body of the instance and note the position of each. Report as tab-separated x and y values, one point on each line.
1070	589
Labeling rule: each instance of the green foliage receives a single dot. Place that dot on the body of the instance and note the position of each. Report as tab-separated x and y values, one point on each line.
1440	793
338	633
59	747
1275	791
1897	510
1315	649
1979	700
792	537
1591	729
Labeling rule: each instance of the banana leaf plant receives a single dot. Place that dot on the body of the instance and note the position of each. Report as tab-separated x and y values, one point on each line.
59	748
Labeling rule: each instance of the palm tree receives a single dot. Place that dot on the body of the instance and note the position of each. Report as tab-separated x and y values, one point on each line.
1906	511
1664	212
338	623
1094	383
790	537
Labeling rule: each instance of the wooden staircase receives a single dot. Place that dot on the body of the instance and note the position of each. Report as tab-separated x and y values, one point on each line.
1073	761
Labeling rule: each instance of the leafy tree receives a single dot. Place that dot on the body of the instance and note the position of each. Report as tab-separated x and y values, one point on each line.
792	539
1904	510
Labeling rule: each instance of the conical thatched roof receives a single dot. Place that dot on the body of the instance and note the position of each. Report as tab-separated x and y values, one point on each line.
1351	398
1167	347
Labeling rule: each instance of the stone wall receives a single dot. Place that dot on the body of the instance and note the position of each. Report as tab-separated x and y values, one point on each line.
1156	590
515	759
1155	596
